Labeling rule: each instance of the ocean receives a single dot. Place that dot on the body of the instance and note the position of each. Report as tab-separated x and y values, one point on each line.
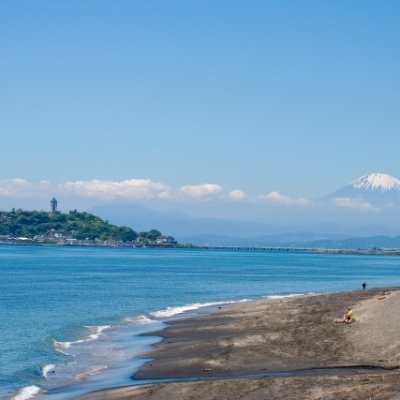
72	318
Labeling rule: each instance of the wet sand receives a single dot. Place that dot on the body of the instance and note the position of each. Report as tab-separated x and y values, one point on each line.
288	348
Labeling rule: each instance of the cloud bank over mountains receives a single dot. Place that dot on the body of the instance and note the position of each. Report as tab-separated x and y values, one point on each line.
136	189
373	200
369	193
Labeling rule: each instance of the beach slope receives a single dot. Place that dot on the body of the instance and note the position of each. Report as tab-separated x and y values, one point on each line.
287	348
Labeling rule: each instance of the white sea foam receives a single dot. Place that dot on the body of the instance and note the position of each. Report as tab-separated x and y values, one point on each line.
139	320
94	333
62	346
46	369
26	393
275	296
171	311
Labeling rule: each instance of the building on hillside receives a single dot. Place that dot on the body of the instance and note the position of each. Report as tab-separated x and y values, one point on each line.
165	240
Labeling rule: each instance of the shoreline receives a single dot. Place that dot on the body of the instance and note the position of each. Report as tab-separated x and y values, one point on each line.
143	340
243	349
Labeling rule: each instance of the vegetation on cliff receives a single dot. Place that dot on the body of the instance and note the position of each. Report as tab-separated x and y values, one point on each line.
76	225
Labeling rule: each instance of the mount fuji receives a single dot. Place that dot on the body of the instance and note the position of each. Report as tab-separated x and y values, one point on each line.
376	189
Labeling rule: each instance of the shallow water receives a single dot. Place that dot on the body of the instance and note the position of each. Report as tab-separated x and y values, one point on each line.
70	316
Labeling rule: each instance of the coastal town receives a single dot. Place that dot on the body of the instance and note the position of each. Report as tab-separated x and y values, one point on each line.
56	238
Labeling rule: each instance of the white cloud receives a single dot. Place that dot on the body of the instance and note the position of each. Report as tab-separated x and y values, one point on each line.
130	189
133	189
136	189
276	197
353	203
205	190
22	188
237	195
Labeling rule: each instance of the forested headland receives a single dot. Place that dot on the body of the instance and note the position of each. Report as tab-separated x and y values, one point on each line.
42	226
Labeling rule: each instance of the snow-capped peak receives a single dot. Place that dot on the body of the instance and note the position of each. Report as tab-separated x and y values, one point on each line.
377	181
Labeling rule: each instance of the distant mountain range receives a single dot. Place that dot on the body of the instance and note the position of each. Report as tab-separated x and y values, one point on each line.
302	240
177	223
371	191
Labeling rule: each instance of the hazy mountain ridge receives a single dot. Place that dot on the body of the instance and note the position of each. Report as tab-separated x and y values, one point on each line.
178	223
289	240
371	242
375	192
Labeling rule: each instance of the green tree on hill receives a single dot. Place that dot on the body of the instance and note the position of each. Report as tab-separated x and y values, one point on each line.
151	235
77	225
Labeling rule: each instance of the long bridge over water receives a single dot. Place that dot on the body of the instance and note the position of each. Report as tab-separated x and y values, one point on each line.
256	248
387	252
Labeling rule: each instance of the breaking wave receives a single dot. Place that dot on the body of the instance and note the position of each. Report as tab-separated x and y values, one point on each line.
93	334
26	393
171	311
46	369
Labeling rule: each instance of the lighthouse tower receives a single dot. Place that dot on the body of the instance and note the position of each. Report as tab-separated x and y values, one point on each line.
53	204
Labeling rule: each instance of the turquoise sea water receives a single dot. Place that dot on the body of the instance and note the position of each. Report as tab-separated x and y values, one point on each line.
70	317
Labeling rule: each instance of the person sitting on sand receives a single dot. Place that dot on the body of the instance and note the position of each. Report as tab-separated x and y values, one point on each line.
348	316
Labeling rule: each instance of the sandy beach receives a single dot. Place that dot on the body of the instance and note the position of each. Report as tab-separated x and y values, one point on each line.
284	348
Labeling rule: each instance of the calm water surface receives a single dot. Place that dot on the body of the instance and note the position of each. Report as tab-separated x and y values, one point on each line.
70	316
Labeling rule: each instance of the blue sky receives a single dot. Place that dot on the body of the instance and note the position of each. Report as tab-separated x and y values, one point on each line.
295	97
